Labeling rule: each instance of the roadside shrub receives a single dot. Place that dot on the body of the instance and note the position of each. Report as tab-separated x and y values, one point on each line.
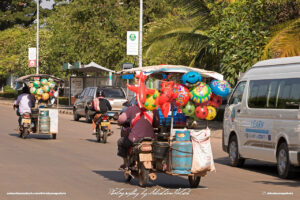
63	100
9	92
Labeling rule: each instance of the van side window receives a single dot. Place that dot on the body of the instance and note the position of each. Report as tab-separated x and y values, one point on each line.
275	93
237	95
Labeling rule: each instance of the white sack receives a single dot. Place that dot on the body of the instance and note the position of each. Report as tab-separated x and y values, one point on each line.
202	154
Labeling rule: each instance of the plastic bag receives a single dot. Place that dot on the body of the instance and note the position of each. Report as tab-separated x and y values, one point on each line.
202	154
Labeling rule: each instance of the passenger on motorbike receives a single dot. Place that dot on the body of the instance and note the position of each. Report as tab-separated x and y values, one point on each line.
24	102
141	123
101	106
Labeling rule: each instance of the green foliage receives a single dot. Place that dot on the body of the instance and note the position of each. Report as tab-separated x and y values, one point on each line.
63	100
238	39
9	92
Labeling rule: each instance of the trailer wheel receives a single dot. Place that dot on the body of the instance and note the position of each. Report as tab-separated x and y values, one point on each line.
194	181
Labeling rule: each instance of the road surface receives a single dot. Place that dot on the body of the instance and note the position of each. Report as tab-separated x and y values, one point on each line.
75	167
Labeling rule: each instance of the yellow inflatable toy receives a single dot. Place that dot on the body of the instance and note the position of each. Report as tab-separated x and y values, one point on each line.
45	96
212	113
38	97
151	102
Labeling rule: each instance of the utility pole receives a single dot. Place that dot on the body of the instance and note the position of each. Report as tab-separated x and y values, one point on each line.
37	34
141	35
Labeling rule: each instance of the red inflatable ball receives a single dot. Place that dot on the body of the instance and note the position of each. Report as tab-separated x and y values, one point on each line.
183	95
201	112
51	92
215	101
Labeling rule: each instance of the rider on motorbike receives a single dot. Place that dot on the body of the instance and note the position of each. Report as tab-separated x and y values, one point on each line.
141	125
24	102
101	106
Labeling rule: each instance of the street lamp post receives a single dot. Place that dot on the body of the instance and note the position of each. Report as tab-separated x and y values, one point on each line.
141	35
37	35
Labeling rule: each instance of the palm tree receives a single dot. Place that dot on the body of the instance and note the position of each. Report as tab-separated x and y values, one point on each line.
190	32
285	37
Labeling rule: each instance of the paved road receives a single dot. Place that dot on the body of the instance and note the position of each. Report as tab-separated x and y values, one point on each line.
75	167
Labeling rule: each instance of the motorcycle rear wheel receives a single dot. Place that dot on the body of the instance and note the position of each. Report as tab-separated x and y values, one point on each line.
25	133
98	135
104	139
143	175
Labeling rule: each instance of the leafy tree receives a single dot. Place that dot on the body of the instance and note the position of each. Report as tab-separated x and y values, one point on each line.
22	12
240	36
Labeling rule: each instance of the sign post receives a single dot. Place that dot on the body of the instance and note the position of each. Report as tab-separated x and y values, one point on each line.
32	57
127	76
132	43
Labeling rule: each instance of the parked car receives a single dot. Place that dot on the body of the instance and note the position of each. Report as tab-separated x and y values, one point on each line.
82	106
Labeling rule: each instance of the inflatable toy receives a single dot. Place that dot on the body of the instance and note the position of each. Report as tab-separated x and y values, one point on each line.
212	113
36	84
215	101
51	92
38	97
31	85
183	95
189	109
221	88
152	101
46	88
201	112
166	96
39	91
33	90
45	96
201	93
140	90
191	79
51	84
44	81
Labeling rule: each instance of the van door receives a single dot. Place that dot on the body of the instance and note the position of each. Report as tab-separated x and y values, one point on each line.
258	123
232	112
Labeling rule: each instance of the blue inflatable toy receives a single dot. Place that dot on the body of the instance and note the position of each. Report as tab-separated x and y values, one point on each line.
191	79
221	88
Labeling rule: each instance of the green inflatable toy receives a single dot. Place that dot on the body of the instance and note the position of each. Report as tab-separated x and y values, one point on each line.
189	109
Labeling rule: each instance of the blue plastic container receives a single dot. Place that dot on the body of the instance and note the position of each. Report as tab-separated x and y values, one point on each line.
182	152
179	119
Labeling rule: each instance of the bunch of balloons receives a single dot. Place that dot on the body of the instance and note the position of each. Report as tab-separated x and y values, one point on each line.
193	97
43	89
204	98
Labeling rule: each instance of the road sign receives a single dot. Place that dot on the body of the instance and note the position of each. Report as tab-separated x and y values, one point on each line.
127	76
133	43
31	57
127	66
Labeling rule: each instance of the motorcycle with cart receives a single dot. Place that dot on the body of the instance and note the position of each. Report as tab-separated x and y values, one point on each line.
44	115
171	150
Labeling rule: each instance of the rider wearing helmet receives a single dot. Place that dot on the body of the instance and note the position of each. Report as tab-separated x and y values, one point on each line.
101	106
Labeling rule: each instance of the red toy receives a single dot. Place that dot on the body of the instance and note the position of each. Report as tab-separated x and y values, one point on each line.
140	90
201	112
183	95
51	92
166	96
215	101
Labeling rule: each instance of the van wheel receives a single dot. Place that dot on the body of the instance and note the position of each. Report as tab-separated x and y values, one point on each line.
284	167
234	155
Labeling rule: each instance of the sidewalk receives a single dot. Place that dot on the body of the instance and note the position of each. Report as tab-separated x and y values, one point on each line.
61	109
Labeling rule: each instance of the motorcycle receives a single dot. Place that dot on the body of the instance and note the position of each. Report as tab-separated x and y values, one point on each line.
140	162
25	126
102	128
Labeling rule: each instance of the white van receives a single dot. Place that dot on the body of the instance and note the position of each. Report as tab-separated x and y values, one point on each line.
262	116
